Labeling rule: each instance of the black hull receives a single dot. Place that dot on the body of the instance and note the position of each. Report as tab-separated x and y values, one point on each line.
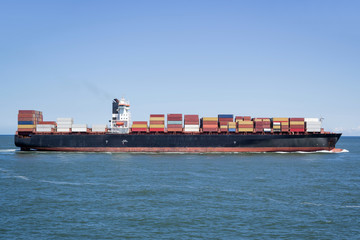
177	142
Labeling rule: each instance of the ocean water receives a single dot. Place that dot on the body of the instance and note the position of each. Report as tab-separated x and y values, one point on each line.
56	195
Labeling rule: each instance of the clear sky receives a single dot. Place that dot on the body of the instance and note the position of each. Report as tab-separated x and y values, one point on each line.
258	58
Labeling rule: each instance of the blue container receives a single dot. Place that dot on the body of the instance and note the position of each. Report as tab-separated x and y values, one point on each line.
174	122
25	122
232	129
225	116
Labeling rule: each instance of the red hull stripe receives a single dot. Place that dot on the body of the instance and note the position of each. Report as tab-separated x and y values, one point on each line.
179	149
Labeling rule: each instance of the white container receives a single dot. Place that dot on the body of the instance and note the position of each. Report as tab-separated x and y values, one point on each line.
267	129
79	126
313	130
99	127
71	120
313	125
64	125
191	130
42	129
312	120
79	129
192	126
63	129
45	125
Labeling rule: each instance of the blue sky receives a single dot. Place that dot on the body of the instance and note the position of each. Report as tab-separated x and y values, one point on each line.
258	58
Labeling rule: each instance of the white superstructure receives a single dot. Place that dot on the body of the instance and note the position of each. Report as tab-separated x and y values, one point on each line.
121	116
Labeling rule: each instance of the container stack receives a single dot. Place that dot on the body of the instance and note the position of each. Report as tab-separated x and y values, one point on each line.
224	119
262	124
191	123
79	128
209	124
174	123
28	119
266	125
232	126
258	125
99	128
280	124
297	125
313	124
157	123
245	125
285	126
46	126
139	126
243	118
64	124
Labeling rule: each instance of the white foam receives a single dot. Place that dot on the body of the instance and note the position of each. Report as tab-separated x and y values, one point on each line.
22	177
312	152
331	205
61	183
7	150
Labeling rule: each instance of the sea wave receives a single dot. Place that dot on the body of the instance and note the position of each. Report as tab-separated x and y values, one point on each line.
22	177
313	152
7	150
330	205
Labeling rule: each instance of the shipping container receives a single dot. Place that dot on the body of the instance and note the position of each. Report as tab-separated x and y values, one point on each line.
245	129
139	129
47	122
157	119
99	128
26	126
174	122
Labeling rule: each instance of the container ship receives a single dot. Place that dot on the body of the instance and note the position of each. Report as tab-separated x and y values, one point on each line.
179	133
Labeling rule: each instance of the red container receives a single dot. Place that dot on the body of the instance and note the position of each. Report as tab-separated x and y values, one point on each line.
191	117
157	122
297	126
191	123
157	115
27	111
209	129
47	122
297	130
140	122
138	129
156	129
209	126
27	119
297	119
25	129
174	115
174	129
175	125
26	115
245	126
225	119
174	119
